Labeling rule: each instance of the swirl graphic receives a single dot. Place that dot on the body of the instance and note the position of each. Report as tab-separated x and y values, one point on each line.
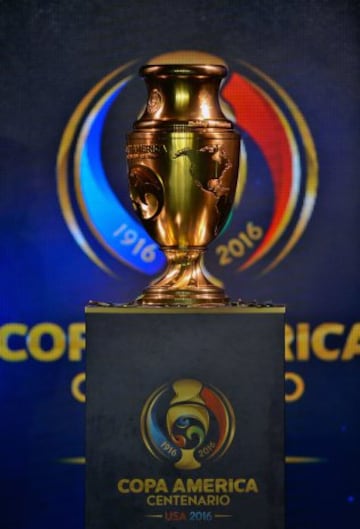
199	423
146	192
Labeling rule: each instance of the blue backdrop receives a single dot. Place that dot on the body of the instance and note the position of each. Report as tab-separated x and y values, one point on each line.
69	93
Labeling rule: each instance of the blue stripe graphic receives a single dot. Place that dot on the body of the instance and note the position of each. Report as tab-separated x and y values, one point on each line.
115	228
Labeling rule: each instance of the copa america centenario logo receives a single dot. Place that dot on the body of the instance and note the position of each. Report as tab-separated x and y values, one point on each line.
277	185
187	423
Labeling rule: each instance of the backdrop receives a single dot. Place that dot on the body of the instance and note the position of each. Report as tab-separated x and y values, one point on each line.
69	93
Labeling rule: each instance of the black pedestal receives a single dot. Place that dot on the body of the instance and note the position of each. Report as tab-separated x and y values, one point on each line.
185	418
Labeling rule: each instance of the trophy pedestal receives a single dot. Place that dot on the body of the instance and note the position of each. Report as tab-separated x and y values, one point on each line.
185	417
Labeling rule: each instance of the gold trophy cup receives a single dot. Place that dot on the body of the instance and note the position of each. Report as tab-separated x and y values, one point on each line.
183	157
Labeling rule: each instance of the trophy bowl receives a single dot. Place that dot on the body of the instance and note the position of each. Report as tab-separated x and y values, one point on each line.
183	157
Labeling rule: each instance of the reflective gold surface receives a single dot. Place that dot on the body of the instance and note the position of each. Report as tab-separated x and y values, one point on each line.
183	166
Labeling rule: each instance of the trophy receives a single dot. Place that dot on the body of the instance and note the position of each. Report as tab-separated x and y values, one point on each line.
162	359
183	157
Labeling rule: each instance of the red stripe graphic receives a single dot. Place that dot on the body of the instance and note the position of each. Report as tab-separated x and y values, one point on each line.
255	115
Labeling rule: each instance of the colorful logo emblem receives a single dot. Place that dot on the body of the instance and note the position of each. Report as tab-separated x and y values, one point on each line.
187	423
278	177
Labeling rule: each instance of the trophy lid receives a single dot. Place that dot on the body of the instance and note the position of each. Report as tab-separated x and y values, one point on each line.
186	57
183	70
185	62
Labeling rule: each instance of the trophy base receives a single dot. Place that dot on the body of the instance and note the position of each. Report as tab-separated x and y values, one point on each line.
162	296
185	282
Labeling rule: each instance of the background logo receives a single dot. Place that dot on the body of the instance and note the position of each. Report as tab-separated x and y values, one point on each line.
187	423
278	177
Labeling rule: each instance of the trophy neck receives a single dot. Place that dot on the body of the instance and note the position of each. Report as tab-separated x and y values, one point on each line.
183	94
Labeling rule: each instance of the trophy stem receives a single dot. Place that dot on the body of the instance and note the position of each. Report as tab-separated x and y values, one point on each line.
185	282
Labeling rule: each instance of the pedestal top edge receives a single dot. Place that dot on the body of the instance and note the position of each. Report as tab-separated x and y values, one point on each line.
107	308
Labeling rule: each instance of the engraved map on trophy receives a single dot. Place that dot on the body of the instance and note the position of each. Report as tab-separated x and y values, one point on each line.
215	181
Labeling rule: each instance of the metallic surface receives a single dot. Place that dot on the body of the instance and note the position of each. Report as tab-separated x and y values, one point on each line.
183	165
